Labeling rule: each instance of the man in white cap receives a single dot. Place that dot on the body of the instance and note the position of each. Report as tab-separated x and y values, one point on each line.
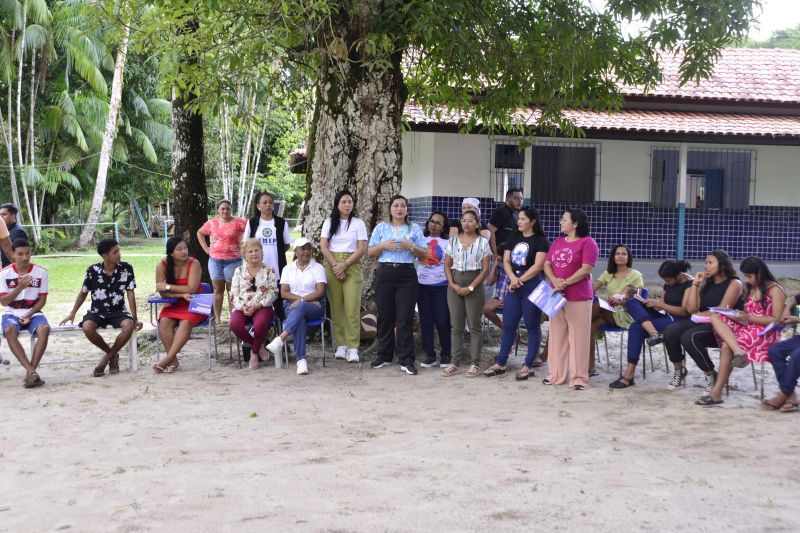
303	285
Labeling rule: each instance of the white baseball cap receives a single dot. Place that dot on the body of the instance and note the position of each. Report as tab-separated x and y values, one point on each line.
301	241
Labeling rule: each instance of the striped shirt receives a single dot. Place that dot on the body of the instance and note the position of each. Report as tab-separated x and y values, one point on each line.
469	257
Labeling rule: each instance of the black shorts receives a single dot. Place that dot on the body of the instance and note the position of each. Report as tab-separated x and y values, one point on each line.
105	320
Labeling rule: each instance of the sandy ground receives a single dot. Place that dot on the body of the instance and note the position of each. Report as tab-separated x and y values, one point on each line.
348	448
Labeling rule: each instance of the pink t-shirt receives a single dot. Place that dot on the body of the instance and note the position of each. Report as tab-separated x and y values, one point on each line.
225	238
566	258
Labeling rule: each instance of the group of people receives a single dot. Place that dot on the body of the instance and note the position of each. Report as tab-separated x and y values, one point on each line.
441	269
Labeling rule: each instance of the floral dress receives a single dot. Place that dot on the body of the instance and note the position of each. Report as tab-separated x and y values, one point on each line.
747	334
247	290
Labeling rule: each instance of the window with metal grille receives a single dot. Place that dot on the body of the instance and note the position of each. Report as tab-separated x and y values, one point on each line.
716	179
564	172
508	168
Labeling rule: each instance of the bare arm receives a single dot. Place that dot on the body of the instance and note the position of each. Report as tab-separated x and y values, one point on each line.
78	303
201	238
324	247
493	238
5	243
538	266
132	308
778	303
582	272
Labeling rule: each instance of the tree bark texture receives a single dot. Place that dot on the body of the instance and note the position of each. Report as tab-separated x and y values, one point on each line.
355	139
190	198
108	141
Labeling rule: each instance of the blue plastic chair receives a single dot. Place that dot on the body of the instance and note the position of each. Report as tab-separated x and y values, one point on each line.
209	323
622	332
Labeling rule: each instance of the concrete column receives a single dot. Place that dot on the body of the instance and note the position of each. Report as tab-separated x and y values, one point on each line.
682	171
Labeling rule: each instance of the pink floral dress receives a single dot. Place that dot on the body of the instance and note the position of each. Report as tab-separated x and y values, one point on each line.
747	334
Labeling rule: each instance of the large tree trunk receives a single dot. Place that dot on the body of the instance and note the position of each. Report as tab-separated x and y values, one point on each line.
108	142
190	200
355	141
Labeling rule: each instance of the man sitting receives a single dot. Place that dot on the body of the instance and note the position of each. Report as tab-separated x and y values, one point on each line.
23	290
109	283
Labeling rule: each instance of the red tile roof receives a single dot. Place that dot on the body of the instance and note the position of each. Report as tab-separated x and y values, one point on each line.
649	121
740	74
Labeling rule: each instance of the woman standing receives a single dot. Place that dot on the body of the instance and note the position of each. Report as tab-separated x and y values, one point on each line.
343	243
432	294
273	232
652	316
254	290
740	338
396	243
466	265
615	278
718	286
224	254
569	266
303	293
177	276
523	259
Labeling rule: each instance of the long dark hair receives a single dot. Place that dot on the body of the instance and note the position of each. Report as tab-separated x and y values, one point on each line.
172	243
612	264
445	226
672	268
532	214
725	266
757	267
399	197
335	216
259	194
579	217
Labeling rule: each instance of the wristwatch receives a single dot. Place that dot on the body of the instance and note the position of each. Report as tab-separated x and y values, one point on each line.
168	287
302	300
471	288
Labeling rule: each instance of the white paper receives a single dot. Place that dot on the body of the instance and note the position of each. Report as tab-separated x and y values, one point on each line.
545	299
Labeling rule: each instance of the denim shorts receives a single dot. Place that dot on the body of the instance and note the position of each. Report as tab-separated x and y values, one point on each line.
220	269
13	320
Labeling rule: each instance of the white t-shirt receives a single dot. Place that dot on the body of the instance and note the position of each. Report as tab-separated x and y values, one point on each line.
347	236
265	232
430	271
303	282
26	299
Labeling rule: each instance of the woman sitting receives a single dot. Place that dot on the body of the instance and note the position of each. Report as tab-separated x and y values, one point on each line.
740	338
785	359
718	286
253	291
177	276
303	292
617	276
652	316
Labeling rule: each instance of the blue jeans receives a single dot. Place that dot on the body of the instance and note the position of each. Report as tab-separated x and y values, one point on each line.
515	307
636	333
433	312
785	358
295	322
220	269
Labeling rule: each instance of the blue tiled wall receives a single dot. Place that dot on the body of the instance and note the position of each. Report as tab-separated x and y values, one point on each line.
772	233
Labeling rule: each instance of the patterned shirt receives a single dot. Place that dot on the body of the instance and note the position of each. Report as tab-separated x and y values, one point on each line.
108	292
469	257
247	290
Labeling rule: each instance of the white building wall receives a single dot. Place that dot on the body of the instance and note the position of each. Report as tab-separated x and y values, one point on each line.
461	165
418	150
450	164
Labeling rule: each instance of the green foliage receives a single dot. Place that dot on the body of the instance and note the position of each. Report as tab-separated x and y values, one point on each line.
788	38
487	58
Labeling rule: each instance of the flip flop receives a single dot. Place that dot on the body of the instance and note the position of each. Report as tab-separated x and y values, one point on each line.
789	407
158	369
707	401
99	372
766	406
739	360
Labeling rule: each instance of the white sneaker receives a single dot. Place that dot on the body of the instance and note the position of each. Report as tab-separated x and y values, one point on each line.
276	345
352	355
341	352
302	367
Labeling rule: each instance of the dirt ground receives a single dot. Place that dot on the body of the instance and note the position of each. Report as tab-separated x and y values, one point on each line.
348	448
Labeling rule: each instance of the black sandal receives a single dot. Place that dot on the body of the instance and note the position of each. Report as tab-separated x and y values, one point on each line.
494	370
99	372
620	384
707	401
579	387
